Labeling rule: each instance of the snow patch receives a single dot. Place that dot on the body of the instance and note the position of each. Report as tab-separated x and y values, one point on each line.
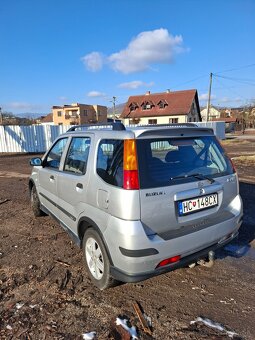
130	330
148	319
89	336
32	306
19	305
215	325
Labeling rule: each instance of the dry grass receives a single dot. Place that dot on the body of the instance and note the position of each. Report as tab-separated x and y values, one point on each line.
248	159
233	141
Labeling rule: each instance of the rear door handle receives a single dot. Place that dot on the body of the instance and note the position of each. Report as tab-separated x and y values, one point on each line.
52	178
79	185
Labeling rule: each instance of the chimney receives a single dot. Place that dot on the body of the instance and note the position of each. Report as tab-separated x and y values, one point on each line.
147	93
168	91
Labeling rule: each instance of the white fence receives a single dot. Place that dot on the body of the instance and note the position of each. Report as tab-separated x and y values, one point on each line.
33	138
218	128
38	138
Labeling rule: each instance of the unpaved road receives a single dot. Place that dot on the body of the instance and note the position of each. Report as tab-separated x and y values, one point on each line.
46	294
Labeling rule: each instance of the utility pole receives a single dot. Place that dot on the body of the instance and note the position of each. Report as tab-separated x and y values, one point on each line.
209	98
1	117
114	102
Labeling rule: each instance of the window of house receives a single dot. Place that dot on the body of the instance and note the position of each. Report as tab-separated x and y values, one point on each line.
54	156
152	121
173	120
133	107
59	113
77	155
193	109
73	113
85	112
147	105
110	161
162	104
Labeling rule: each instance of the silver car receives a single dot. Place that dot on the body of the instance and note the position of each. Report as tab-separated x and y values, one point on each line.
139	202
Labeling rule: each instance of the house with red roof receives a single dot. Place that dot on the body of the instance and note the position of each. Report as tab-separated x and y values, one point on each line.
162	108
46	120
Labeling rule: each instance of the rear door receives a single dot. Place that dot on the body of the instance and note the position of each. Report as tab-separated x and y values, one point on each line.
73	181
181	184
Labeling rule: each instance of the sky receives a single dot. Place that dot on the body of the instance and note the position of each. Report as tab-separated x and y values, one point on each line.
56	52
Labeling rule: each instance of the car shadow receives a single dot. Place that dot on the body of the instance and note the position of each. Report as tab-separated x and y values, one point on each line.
241	245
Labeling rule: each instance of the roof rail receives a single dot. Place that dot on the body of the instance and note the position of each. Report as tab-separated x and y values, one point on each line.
116	126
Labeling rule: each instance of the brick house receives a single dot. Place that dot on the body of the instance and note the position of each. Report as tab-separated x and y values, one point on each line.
162	108
76	114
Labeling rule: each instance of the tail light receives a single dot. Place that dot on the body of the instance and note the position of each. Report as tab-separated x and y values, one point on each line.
169	261
130	166
232	163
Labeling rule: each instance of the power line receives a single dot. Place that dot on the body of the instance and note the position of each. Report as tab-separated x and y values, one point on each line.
189	81
232	91
238	80
235	69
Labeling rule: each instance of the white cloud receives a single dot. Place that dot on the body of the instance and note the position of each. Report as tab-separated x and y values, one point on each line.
23	106
93	61
151	47
223	100
146	49
63	98
135	84
204	97
228	100
95	94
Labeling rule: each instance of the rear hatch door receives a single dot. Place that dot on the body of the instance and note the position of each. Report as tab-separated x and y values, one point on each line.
181	182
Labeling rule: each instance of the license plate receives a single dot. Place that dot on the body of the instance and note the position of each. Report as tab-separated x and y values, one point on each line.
196	204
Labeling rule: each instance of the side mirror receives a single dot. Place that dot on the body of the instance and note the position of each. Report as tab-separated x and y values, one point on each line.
36	161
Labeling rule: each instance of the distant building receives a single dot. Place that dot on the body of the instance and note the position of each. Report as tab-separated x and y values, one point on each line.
162	108
76	114
46	120
213	114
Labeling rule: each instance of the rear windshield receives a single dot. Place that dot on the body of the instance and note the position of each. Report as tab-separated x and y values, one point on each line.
168	161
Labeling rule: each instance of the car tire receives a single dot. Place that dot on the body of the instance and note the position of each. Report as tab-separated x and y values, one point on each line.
96	260
35	203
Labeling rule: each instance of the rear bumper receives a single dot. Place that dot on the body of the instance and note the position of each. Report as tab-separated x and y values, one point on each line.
136	255
127	277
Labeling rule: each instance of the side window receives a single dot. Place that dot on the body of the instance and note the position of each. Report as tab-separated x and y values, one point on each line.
77	155
110	161
54	156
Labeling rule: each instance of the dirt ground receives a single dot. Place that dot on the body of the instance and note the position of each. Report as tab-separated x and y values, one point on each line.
45	292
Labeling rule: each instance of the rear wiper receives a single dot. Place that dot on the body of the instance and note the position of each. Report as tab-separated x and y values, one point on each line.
198	176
